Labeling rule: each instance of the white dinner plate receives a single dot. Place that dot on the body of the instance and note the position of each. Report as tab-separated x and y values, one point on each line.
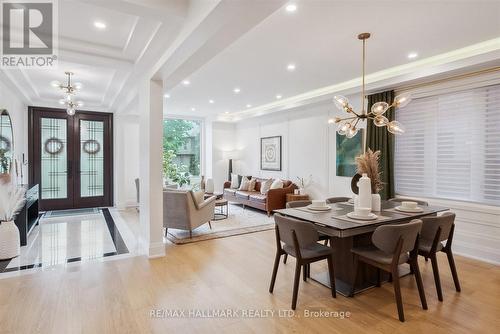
416	210
353	215
319	208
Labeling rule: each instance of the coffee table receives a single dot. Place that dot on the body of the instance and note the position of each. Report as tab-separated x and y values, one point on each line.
221	209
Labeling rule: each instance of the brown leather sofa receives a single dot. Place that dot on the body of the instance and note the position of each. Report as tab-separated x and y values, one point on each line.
273	200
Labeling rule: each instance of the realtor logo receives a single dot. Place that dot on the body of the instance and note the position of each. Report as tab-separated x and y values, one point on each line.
28	33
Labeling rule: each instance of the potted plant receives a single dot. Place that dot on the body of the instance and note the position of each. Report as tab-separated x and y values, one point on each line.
368	163
11	202
4	167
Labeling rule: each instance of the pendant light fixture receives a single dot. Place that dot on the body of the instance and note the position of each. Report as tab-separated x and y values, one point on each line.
69	90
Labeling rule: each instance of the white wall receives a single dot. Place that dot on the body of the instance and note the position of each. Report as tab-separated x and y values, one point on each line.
308	147
18	111
223	140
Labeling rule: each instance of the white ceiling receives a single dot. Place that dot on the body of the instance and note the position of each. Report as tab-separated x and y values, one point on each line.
104	61
320	39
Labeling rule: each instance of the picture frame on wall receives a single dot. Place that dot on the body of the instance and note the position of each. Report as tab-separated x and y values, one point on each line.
270	153
347	150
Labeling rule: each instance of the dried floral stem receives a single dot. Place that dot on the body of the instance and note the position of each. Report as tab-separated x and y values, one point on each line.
368	163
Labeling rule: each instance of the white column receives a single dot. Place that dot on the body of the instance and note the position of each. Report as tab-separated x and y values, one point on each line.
150	167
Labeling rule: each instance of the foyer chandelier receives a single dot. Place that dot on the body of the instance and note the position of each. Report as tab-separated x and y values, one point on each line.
69	90
348	125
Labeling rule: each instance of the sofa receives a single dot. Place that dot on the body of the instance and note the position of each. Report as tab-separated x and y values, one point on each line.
274	199
182	211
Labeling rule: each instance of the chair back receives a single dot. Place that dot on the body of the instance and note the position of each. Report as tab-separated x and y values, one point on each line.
305	232
432	224
297	204
176	204
407	199
386	237
332	200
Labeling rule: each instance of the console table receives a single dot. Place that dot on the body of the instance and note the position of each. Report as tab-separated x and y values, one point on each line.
28	216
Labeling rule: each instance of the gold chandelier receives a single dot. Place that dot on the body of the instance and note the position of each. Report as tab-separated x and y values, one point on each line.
69	90
348	125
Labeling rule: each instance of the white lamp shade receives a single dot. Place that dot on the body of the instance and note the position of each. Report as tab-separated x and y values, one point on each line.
234	155
209	186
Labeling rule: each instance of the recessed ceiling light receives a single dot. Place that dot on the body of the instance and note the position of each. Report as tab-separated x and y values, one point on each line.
227	112
249	106
291	8
193	109
412	55
290	67
167	96
99	25
278	96
236	90
186	82
211	101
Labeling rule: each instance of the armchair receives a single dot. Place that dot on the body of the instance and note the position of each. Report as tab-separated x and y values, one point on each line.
182	211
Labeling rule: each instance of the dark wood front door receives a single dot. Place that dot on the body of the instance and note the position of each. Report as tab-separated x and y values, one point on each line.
70	157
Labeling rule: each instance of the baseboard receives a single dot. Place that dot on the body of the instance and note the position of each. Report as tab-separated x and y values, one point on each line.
156	249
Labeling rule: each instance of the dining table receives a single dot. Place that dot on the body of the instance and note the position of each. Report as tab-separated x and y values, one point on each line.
346	233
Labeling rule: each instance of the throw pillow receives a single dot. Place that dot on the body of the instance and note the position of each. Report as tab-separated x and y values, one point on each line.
251	186
198	196
265	186
235	181
245	183
277	184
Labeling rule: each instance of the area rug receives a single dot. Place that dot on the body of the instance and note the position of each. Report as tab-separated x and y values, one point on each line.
239	221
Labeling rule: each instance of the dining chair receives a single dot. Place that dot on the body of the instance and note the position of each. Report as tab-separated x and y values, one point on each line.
407	199
299	204
391	245
300	241
435	230
332	200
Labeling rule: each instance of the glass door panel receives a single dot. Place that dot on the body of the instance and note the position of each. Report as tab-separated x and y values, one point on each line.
91	158
54	158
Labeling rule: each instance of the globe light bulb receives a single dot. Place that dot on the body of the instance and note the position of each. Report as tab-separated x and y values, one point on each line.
331	121
396	128
402	100
379	108
380	121
55	84
70	111
340	101
77	86
351	132
342	128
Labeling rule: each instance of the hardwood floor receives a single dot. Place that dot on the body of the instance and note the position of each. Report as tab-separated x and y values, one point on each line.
234	273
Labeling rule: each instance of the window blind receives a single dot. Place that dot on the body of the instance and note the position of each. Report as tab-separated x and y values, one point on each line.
451	147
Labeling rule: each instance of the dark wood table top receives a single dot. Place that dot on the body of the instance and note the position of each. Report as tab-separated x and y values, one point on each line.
335	223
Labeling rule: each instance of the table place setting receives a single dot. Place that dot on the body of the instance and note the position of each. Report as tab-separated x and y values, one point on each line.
362	215
407	207
318	206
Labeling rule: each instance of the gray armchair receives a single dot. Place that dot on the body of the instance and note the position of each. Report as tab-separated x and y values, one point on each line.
182	211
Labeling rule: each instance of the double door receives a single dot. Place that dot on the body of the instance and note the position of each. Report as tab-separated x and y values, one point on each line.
70	157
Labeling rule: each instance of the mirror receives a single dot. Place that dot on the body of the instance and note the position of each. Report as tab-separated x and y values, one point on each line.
6	142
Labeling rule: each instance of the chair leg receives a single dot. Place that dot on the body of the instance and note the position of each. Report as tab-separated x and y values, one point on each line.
378	277
308	270
210	224
397	293
275	271
166	231
326	242
296	285
420	285
285	258
437	281
304	273
190	234
355	275
331	273
451	261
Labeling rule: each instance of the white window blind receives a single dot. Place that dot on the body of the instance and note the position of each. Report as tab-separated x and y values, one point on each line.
451	147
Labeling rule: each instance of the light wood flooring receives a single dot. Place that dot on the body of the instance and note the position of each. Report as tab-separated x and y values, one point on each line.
234	273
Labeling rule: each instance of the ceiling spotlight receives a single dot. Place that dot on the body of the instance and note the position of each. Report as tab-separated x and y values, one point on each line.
186	82
236	90
291	8
249	106
227	112
291	67
278	96
211	101
167	96
99	25
412	55
193	109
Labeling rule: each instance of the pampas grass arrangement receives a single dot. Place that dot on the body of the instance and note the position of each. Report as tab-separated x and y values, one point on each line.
368	163
11	201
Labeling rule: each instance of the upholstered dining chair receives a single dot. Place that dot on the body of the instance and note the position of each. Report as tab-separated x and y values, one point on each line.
300	241
299	204
391	245
407	199
332	200
435	230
